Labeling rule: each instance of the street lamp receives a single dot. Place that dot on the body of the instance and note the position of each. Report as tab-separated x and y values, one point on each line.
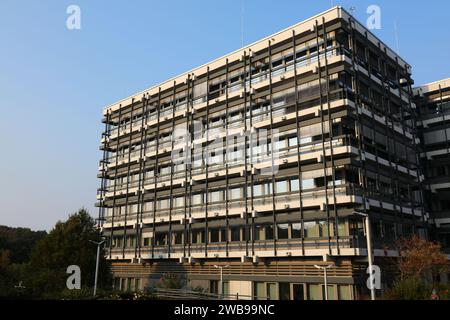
221	277
369	251
325	281
96	263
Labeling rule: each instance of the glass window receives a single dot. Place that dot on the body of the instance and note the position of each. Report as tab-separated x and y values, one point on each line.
198	236
214	286
305	140
160	238
314	292
257	190
214	233
279	144
179	202
307	184
294	184
178	237
296	230
226	288
236	193
259	232
197	199
281	186
283	231
298	291
215	196
163	204
292	141
323	229
284	291
138	284
272	292
235	234
259	290
344	292
311	229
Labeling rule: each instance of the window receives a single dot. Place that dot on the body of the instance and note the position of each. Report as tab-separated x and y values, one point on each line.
197	199
148	206
311	230
214	286
272	292
235	234
163	204
177	237
283	231
314	292
296	230
284	291
257	190
198	236
263	232
292	141
331	292
160	238
281	186
307	184
235	194
305	140
214	234
323	229
298	291
137	284
179	202
216	196
259	291
345	292
294	184
226	288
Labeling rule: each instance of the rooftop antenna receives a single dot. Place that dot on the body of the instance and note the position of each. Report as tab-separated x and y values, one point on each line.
396	37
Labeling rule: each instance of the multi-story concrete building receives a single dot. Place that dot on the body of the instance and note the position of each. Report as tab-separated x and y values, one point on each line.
433	102
259	162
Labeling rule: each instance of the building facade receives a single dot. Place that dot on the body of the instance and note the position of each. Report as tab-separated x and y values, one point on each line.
260	161
433	102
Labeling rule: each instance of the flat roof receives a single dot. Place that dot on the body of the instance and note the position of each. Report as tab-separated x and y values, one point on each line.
433	86
338	13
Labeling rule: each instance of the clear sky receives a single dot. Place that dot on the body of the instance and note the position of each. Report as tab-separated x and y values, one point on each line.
54	82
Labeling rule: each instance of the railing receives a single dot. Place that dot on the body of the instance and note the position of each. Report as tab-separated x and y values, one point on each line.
184	294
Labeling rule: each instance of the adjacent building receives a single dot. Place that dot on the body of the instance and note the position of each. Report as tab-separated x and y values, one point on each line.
260	162
433	102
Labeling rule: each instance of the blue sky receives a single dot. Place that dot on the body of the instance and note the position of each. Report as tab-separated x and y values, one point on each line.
54	82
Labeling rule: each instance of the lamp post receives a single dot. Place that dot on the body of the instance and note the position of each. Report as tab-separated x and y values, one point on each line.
96	263
369	251
325	280
221	277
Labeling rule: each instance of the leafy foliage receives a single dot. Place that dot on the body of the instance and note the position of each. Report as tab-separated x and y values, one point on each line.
420	258
43	275
19	242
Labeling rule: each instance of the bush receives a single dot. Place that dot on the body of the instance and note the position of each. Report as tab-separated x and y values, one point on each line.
409	289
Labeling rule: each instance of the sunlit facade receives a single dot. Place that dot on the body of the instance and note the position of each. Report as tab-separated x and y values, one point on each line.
259	160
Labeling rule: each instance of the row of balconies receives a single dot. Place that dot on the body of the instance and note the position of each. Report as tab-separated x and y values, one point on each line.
253	251
343	195
259	164
166	145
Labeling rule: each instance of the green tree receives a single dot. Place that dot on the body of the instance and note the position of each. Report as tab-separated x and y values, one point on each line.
19	242
66	244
